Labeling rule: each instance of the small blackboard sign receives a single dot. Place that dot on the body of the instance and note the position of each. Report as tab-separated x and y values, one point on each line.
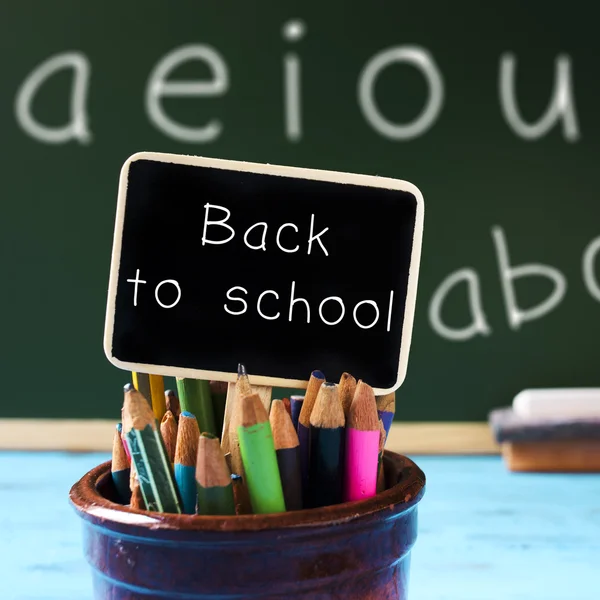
284	269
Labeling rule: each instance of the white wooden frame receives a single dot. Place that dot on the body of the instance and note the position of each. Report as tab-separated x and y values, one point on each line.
300	173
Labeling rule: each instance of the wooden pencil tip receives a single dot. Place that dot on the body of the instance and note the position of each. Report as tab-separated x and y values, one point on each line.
317	374
387	402
363	410
211	467
284	433
328	412
253	411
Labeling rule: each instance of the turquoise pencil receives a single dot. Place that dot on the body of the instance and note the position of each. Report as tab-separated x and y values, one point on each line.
186	451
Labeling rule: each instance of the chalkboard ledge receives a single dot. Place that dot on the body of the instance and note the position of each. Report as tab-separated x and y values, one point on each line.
96	435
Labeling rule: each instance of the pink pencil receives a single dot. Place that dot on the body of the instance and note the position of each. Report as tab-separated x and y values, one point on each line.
362	445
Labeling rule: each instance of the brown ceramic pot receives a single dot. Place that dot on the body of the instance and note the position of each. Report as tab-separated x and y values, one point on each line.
351	551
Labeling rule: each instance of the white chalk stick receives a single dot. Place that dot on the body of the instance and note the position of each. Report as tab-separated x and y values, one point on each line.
565	403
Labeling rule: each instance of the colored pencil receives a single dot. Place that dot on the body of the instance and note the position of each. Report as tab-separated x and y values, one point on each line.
194	396
218	394
259	458
380	470
172	403
288	406
362	445
123	440
285	439
213	478
327	435
152	387
242	389
347	389
296	407
186	451
314	383
386	407
119	468
168	430
137	499
229	406
148	454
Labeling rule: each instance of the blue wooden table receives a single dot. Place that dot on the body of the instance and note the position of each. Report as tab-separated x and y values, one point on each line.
484	534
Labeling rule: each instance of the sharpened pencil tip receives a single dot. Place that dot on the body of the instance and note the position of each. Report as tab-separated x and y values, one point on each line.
129	387
120	428
187	413
318	374
241	370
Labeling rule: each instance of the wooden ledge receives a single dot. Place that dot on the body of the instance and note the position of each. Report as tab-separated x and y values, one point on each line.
95	435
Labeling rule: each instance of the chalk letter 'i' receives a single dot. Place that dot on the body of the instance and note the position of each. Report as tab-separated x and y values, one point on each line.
293	31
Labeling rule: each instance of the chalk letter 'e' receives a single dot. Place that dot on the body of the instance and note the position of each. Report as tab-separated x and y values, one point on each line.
478	322
222	223
136	281
158	87
238	299
508	274
422	60
589	279
76	128
560	106
172	282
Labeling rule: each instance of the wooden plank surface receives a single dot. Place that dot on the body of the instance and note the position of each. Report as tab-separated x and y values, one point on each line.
96	436
484	533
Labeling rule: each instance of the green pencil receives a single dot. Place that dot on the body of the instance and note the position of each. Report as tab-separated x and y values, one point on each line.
213	478
148	454
195	397
259	458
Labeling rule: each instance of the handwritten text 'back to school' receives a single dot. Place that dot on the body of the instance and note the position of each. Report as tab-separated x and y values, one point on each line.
218	231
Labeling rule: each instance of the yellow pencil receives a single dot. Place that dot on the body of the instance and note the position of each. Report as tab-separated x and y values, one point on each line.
152	387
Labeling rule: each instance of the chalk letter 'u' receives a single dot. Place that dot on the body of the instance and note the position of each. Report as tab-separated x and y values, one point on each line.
560	106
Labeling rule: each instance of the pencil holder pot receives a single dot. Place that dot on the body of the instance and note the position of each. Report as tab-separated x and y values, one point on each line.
351	551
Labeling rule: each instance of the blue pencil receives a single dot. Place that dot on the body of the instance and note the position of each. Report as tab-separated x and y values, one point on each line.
186	452
296	406
386	407
312	389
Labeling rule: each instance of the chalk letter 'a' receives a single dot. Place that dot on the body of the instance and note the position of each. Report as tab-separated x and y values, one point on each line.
423	61
158	87
515	315
590	256
76	128
478	324
561	105
221	223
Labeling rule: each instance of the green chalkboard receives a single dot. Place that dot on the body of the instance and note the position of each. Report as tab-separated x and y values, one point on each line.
405	90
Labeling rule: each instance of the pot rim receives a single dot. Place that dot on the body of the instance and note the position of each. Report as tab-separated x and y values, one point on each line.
92	506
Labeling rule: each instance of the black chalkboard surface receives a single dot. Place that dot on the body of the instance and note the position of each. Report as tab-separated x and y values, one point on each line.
284	269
